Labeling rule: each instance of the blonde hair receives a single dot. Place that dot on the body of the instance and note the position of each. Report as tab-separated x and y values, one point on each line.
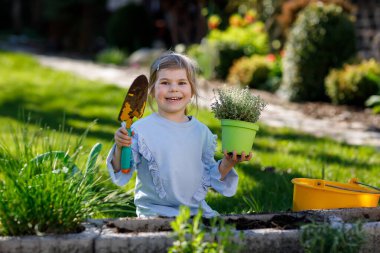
173	60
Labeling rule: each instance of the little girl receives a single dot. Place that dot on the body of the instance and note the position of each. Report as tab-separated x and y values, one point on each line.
173	153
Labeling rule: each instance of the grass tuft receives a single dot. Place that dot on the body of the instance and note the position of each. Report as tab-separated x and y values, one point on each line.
44	191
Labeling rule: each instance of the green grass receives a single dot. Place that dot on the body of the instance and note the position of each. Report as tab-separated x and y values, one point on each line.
55	98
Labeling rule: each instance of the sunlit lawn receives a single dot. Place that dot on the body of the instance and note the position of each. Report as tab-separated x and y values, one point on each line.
55	98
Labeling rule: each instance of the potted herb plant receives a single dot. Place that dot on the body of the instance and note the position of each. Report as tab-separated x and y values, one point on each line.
239	110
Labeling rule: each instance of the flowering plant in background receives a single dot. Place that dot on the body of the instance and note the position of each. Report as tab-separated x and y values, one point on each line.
271	57
250	16
276	61
214	22
243	36
236	20
275	74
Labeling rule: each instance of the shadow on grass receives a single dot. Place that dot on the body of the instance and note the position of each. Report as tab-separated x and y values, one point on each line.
315	148
18	109
287	135
340	161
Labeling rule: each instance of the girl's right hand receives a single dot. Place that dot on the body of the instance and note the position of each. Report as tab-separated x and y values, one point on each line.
122	139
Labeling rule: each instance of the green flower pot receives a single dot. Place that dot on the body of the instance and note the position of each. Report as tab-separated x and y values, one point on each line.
238	135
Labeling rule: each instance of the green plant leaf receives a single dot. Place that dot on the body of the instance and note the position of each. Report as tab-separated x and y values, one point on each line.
91	161
373	101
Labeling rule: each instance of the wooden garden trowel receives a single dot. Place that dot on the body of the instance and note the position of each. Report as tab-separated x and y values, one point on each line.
133	106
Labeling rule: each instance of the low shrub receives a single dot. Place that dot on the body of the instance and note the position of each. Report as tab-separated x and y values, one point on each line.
353	84
250	71
258	72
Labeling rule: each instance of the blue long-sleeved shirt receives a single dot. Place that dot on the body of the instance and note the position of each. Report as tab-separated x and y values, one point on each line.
175	166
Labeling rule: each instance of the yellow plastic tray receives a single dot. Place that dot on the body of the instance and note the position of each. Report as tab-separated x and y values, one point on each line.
311	194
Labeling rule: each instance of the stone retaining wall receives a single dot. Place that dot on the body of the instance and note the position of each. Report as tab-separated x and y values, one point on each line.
152	235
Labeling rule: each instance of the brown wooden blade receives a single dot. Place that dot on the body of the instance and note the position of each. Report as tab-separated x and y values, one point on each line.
135	100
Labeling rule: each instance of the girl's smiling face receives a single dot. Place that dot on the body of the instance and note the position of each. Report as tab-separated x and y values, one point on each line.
172	92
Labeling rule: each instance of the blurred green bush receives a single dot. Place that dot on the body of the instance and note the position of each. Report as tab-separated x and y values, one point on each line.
322	38
354	83
111	56
206	57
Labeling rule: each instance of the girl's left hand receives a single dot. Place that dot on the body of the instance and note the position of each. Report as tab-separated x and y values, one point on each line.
234	158
229	161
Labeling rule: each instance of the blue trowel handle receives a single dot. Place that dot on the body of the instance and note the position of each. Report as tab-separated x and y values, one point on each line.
126	153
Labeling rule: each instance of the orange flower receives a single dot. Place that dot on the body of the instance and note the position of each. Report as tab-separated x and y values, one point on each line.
235	20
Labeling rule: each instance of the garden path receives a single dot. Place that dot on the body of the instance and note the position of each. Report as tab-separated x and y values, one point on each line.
340	123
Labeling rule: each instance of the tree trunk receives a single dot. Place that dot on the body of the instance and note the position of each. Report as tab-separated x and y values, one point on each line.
16	16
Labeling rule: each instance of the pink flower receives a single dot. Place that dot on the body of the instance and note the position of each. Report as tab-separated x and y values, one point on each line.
271	57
